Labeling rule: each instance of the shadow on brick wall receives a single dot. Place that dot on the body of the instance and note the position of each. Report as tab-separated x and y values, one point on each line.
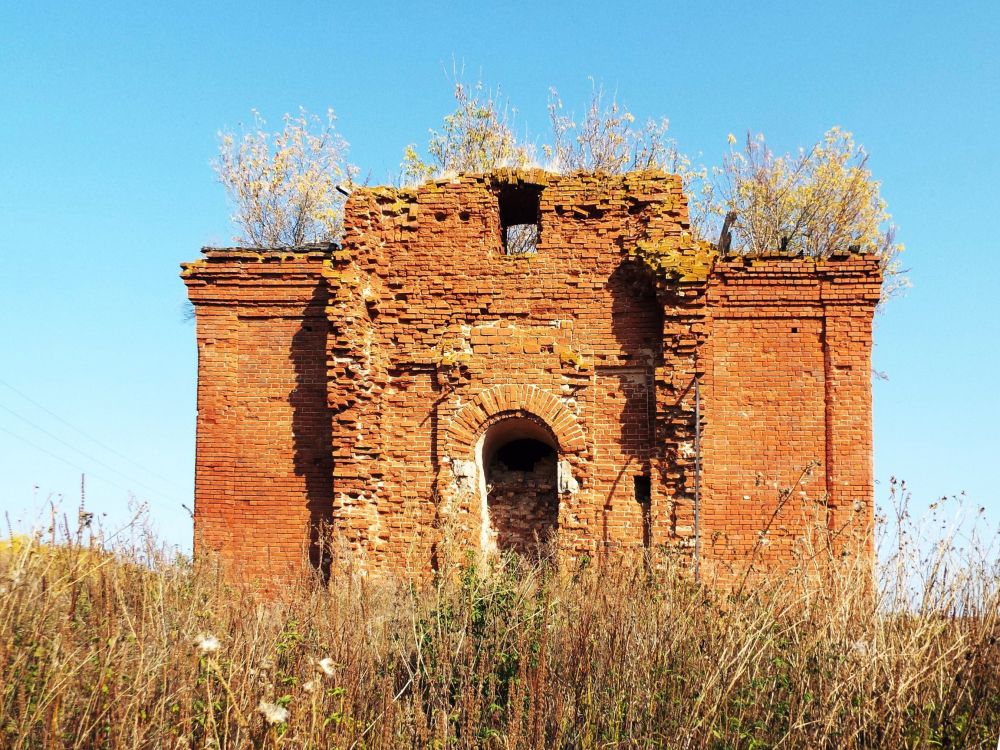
312	424
636	313
637	325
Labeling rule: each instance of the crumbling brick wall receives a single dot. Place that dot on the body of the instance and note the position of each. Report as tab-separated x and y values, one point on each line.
358	385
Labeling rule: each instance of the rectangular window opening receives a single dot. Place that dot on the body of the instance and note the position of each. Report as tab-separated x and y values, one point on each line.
520	219
643	489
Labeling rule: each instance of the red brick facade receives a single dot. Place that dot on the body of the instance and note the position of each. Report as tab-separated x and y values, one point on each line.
419	386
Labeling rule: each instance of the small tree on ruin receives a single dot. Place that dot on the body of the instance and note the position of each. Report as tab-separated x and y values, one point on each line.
819	202
607	139
478	136
283	185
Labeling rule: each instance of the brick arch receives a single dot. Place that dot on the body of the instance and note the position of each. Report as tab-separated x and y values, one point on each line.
492	404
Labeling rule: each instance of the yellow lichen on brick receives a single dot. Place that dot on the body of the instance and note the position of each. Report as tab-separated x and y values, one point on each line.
570	358
187	269
678	258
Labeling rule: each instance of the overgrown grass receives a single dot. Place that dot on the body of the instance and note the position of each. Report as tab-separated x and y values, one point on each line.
127	649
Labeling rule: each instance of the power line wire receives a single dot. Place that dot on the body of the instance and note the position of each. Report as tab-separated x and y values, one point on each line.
87	455
90	437
69	463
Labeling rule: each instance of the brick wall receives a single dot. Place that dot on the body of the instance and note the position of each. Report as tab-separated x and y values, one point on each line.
523	505
787	441
263	462
358	385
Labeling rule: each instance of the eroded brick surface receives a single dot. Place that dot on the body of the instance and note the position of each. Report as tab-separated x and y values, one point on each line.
358	385
523	505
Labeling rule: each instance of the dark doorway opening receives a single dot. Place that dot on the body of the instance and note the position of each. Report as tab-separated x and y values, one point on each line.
522	498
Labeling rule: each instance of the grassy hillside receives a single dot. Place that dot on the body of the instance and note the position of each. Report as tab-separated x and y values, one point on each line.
127	649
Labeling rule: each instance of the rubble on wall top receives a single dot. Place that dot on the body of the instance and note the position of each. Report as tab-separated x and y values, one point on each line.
663	241
533	176
317	251
263	254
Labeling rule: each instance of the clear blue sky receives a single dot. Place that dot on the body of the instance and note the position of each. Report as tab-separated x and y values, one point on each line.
108	121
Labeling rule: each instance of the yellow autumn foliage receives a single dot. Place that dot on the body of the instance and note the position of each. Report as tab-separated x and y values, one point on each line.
477	136
283	185
819	202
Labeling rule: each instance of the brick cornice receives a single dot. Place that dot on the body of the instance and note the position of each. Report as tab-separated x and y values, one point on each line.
254	277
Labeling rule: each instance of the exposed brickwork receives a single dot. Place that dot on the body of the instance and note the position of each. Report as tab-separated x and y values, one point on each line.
263	463
787	387
367	385
523	505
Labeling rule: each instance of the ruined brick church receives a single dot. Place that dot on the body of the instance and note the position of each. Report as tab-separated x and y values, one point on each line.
522	359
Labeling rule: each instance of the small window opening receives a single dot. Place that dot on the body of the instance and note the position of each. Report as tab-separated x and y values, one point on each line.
520	218
644	496
523	454
643	489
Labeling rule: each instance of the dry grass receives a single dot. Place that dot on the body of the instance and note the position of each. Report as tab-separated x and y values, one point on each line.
111	650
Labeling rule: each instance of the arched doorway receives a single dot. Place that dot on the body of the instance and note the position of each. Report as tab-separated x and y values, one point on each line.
519	460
